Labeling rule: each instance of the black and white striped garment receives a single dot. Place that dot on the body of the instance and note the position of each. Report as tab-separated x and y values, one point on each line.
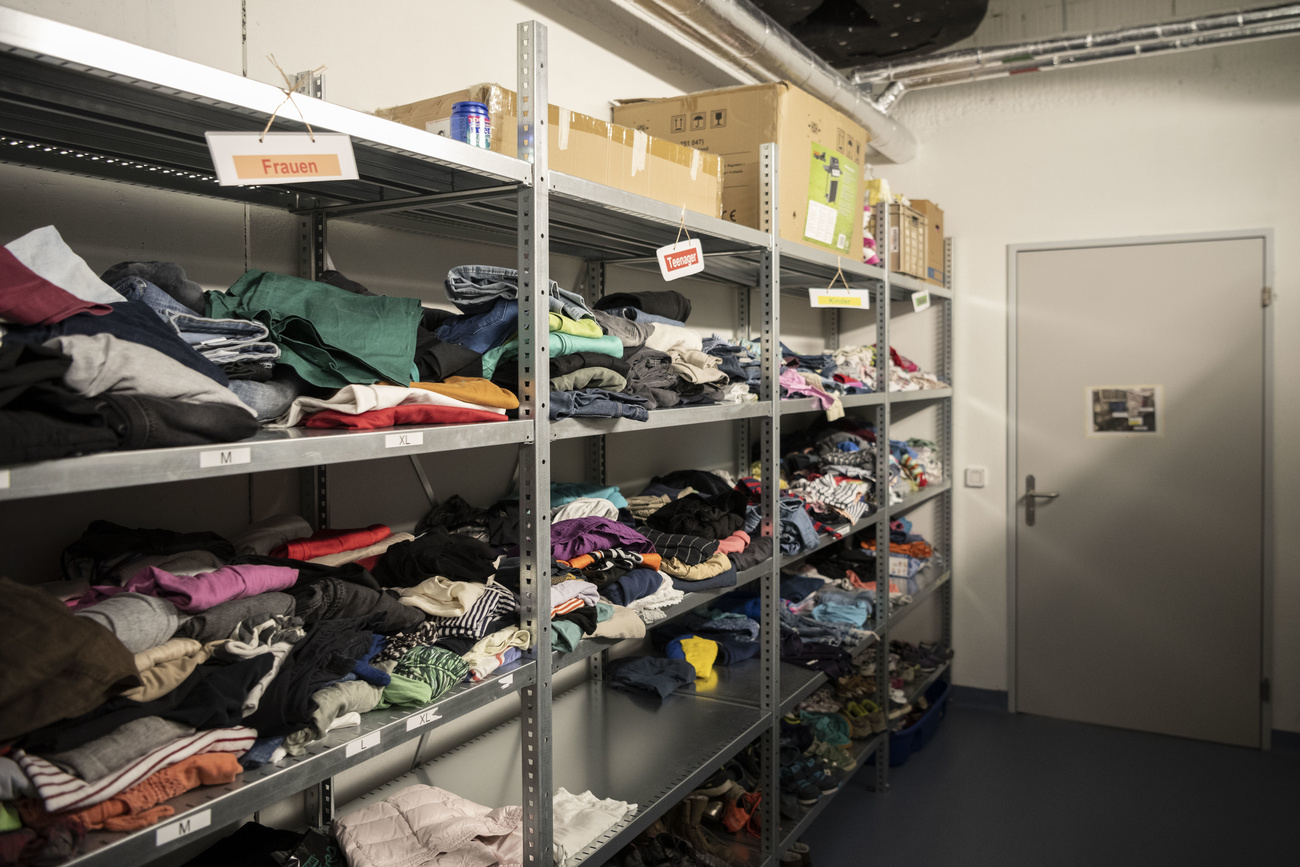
846	499
691	550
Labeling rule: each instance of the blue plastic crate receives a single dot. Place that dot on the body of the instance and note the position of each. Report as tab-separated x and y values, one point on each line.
904	742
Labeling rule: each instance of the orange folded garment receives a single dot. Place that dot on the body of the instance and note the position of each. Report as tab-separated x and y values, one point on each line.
141	805
472	389
919	550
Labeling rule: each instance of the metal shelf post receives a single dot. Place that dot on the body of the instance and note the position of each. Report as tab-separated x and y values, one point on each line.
534	458
882	502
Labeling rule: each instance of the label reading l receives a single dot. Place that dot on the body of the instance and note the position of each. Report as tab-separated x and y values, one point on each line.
680	260
245	158
920	301
225	457
400	440
182	827
859	299
361	744
423	718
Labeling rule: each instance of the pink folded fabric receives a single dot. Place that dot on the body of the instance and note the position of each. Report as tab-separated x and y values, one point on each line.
735	543
195	593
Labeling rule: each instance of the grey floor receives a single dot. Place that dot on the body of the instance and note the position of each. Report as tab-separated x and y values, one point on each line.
996	788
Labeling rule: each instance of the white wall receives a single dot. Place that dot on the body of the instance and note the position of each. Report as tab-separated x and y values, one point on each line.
1199	142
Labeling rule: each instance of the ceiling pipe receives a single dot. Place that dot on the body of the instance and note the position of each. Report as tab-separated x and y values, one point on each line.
1090	58
975	64
748	38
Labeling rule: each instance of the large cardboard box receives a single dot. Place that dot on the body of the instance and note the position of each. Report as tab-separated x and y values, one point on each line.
908	241
820	156
934	259
586	147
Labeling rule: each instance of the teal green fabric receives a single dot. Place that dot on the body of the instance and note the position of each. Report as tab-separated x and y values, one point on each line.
604	611
436	666
330	336
560	344
565	635
828	727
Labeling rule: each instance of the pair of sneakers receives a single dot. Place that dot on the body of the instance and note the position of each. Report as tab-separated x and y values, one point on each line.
807	778
865	718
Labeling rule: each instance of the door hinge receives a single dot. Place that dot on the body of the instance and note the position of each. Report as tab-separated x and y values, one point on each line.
1265	690
1266	296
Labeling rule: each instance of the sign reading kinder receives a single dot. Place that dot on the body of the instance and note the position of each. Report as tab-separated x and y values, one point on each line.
680	260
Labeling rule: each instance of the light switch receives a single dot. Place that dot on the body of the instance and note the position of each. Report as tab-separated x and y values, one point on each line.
974	477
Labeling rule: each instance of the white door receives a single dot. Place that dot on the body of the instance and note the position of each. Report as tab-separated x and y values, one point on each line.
1139	403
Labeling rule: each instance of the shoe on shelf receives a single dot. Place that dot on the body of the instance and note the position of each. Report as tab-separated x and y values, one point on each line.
837	757
790	808
796	786
865	718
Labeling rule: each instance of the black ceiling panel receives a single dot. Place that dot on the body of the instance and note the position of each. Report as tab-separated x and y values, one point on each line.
853	32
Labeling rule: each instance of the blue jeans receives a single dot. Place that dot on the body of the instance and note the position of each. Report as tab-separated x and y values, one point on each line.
473	287
638	315
482	331
797	531
597	403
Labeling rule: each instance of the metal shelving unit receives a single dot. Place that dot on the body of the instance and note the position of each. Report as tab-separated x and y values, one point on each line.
85	104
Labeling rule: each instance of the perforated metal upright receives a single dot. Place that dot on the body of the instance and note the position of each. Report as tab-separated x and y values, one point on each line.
881	654
946	445
534	456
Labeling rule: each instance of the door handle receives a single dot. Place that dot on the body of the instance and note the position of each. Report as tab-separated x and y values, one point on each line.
1032	497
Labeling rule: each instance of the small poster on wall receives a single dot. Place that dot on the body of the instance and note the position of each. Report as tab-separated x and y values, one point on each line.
1125	410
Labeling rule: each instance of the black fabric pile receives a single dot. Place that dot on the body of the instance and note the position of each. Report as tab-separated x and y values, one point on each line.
437	552
332	599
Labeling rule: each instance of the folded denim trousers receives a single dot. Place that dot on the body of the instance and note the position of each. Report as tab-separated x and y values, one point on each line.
597	403
474	287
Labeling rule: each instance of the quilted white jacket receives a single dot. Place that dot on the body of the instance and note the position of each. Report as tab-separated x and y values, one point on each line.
425	825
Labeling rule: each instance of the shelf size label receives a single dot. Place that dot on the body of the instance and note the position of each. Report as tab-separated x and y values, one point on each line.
182	827
4	480
248	158
225	457
402	440
680	260
423	718
361	744
858	299
506	681
920	301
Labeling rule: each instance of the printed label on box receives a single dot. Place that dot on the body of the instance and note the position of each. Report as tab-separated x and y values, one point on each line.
680	260
898	565
832	195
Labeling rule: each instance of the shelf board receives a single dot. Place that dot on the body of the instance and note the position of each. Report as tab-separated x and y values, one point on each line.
811	404
267	450
676	416
598	753
790	833
215	807
927	394
915	689
902	286
101	107
898	614
797	683
916	499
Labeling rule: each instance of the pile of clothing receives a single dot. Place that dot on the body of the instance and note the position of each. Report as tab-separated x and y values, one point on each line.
186	657
827	376
625	355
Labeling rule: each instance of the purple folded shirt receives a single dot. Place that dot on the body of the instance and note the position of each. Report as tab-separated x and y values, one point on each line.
578	536
195	593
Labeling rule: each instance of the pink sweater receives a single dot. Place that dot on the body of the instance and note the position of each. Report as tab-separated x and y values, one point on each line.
195	593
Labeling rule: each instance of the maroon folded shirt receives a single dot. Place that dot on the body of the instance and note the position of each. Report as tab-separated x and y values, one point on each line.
415	414
27	298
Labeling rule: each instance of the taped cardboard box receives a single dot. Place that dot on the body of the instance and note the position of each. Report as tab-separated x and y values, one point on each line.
819	153
934	258
586	147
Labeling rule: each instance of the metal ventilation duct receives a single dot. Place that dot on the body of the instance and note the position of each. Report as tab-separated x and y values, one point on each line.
746	37
978	64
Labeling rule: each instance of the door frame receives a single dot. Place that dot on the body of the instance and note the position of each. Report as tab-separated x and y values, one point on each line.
1012	476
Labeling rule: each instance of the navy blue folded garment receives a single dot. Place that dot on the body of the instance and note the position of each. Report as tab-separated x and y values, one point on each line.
722	579
650	674
797	588
733	650
129	320
636	584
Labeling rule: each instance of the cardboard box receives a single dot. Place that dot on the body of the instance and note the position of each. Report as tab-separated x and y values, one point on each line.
819	153
908	240
934	259
588	148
